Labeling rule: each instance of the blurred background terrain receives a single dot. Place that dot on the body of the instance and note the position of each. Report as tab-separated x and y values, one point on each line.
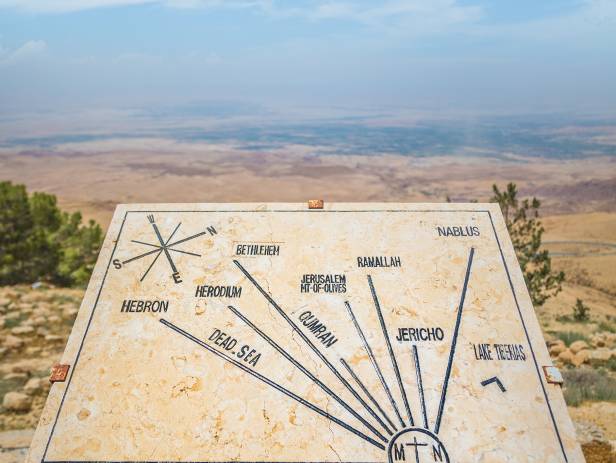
125	101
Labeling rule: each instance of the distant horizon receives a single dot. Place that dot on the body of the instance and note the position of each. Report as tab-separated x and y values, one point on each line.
321	131
446	56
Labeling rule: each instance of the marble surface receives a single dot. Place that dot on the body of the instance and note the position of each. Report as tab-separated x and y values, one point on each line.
259	333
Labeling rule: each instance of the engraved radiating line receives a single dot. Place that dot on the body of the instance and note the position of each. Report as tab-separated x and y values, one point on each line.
173	233
374	362
186	239
164	246
147	244
367	392
310	344
185	252
304	370
422	399
141	255
271	383
391	351
454	341
151	265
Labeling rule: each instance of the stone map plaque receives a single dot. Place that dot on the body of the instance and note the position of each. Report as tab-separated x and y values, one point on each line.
360	333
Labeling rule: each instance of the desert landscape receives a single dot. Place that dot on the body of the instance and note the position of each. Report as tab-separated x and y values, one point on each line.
93	174
108	102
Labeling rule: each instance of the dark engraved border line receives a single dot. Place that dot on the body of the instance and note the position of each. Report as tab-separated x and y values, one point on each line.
273	384
452	349
530	345
363	387
74	366
394	363
422	399
323	211
311	345
151	265
306	372
375	364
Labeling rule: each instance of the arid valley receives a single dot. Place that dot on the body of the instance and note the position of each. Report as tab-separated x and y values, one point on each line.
93	174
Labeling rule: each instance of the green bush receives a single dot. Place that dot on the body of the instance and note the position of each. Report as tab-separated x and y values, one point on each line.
569	337
606	326
40	242
586	384
526	232
581	312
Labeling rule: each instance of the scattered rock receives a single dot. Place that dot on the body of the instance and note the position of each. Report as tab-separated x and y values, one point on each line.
602	355
13	342
69	312
22	330
54	319
566	356
578	346
53	338
17	402
35	386
32	351
16	439
596	448
580	358
557	347
39	321
603	339
42	311
13	316
19	376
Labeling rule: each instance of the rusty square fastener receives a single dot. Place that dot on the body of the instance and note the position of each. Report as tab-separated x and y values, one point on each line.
552	375
315	204
59	373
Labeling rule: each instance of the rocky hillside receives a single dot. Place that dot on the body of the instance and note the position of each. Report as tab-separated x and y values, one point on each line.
35	324
34	327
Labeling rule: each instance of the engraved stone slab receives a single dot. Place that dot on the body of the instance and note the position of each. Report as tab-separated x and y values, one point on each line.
278	333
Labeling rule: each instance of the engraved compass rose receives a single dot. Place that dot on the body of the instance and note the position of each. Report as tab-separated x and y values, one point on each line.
164	246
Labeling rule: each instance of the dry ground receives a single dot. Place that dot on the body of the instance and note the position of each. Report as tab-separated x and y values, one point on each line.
94	176
579	198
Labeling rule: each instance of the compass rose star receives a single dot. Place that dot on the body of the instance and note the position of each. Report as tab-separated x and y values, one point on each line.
164	247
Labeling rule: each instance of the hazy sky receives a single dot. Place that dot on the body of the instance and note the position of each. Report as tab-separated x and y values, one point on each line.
519	55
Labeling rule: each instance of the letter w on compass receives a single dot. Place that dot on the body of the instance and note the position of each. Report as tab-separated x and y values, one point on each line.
164	247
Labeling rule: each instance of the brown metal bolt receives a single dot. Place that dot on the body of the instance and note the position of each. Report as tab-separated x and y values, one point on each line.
315	204
59	373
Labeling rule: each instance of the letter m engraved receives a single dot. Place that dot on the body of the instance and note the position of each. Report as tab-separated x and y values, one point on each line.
399	452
